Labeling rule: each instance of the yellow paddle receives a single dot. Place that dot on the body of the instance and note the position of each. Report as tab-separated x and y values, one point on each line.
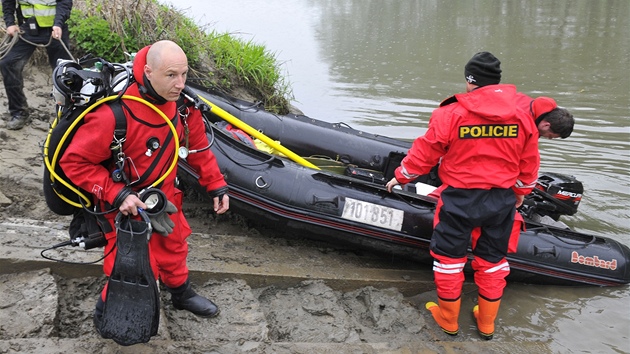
256	134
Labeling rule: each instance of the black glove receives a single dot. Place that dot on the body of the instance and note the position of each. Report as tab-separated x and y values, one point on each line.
219	192
122	195
160	222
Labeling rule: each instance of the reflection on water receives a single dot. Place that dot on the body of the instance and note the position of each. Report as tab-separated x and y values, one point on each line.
383	66
583	319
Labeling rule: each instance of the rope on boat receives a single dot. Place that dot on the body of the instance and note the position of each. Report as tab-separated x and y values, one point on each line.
256	134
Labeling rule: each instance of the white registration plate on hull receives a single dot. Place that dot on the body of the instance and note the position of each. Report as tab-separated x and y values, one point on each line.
373	214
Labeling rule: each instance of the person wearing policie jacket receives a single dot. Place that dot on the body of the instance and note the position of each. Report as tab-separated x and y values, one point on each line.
40	22
160	74
489	162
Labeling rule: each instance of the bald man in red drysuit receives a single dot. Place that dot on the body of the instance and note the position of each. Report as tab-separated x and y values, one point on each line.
160	72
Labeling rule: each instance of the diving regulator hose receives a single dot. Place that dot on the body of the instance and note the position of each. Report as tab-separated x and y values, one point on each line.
50	164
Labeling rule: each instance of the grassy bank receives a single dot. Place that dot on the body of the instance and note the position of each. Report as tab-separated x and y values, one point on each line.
111	28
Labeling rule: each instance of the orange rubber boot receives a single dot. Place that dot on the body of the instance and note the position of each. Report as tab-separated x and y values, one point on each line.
485	314
446	314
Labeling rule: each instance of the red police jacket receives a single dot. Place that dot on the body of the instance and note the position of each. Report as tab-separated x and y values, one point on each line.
483	140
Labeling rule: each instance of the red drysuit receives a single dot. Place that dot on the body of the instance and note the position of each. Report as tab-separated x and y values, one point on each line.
90	147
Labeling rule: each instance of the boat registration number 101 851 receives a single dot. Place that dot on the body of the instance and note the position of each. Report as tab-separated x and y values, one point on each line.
373	214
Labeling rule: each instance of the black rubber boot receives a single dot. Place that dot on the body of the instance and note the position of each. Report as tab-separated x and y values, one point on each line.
98	314
185	298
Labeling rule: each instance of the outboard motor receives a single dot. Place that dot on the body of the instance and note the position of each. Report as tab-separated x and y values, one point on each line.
555	195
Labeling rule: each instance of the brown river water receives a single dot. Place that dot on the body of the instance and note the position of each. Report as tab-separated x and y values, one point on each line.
383	66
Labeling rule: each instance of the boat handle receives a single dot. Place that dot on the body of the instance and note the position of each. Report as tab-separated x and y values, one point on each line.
333	200
261	183
545	250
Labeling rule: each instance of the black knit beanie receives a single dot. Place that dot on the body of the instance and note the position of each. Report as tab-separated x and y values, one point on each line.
483	69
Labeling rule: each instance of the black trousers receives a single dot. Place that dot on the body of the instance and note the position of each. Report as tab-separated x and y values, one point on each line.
463	210
12	65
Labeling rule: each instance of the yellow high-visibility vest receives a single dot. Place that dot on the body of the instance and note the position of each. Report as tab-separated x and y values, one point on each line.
43	10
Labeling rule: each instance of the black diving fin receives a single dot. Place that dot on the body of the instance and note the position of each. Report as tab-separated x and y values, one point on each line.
131	313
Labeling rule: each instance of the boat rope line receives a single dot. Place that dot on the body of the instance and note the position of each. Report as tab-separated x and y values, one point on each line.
9	41
342	124
215	142
261	163
254	107
255	133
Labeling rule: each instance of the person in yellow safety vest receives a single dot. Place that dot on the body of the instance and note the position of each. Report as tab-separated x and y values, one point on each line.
39	22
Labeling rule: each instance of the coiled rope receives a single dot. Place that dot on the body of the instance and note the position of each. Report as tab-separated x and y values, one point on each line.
9	41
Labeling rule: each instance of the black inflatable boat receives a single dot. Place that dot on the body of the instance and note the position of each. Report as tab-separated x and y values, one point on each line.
344	200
